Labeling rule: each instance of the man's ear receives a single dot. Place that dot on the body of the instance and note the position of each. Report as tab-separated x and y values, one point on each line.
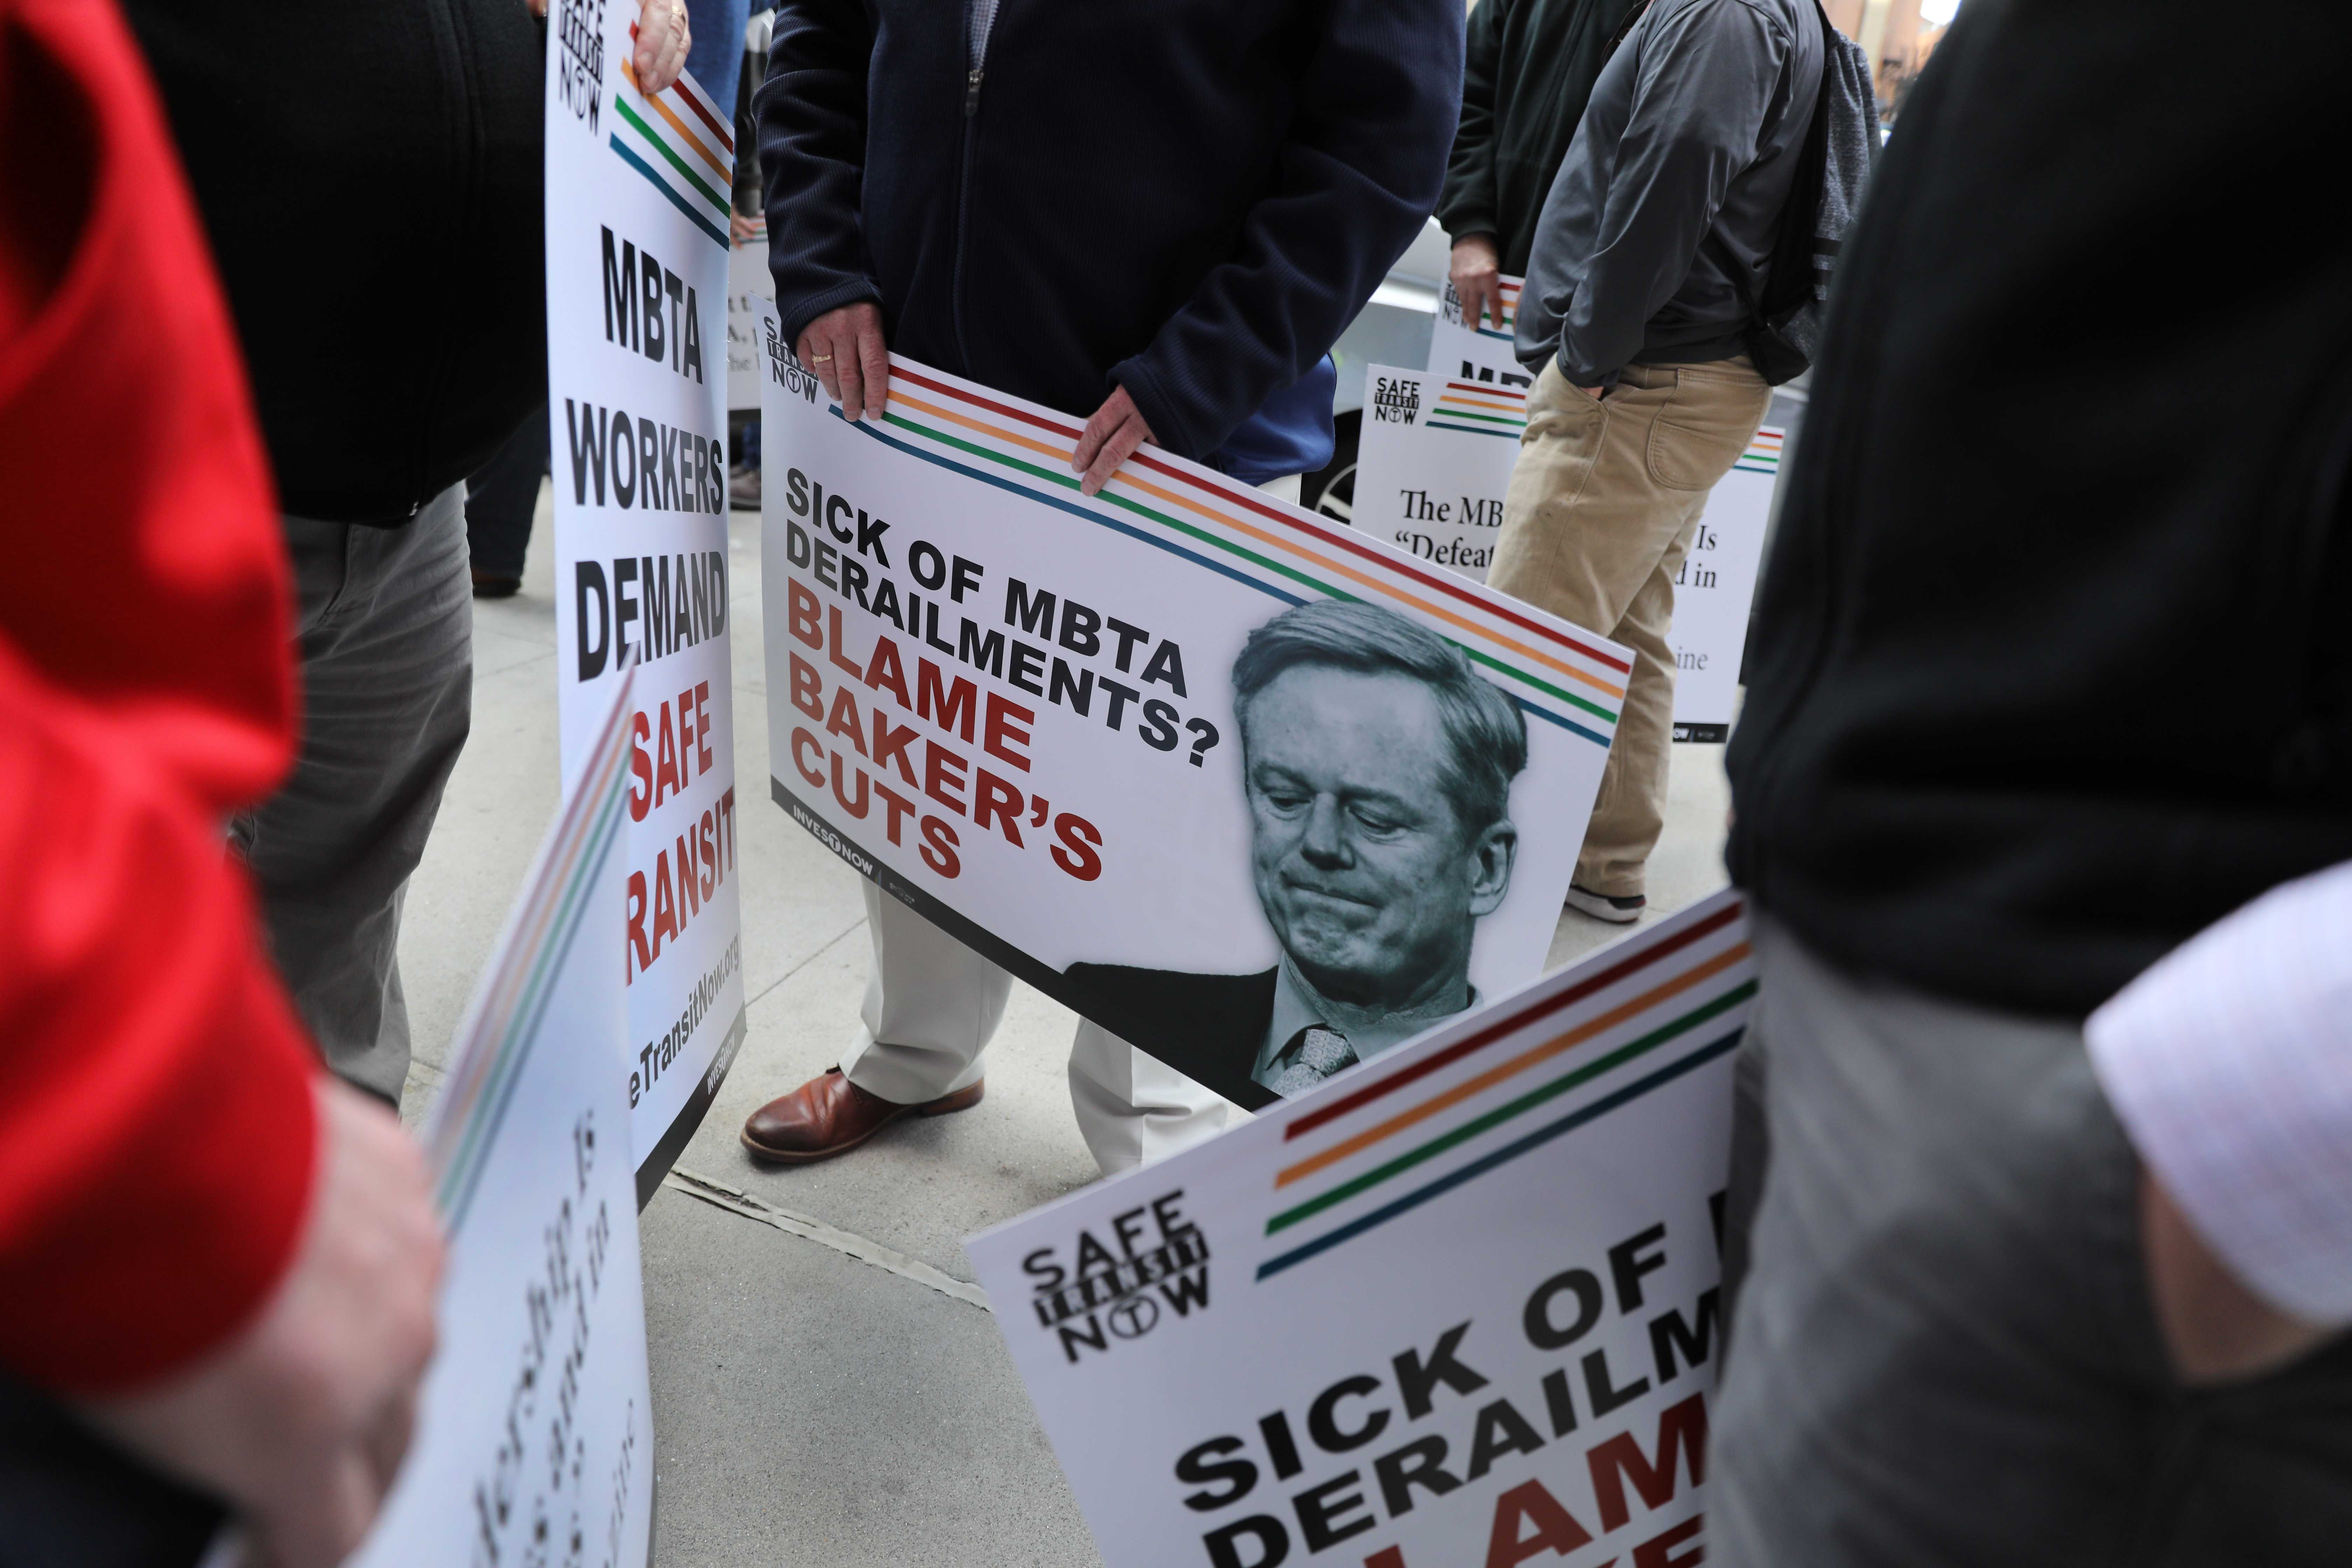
1492	855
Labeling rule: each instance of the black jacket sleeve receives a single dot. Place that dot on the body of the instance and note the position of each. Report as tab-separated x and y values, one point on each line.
1469	203
812	112
1352	185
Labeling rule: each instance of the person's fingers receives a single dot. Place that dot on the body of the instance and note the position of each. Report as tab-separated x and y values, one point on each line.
874	363
817	355
664	38
388	1440
1091	436
1117	448
319	1524
538	7
679	44
843	349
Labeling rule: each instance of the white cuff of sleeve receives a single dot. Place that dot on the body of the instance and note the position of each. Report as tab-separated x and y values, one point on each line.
2229	1063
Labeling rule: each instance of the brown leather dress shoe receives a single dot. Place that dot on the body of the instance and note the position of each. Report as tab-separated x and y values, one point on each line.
830	1115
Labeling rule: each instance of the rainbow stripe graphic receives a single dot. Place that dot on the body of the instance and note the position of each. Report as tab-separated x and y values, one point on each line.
502	1024
680	143
1572	1048
1480	409
1763	454
1234	531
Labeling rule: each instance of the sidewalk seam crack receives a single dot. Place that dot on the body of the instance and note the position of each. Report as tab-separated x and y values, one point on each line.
735	1201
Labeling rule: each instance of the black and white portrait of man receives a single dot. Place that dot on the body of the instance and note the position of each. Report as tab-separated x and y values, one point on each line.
1378	767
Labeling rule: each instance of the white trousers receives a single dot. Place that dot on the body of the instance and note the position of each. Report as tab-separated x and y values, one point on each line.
932	1004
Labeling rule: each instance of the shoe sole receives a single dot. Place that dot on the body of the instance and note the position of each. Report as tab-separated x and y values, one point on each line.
946	1105
1601	910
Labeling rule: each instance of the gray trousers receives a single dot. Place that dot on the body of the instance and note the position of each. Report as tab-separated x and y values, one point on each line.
1942	1351
385	628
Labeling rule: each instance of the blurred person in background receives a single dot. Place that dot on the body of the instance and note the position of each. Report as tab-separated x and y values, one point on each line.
502	495
391	352
217	1264
1527	70
2038	695
1649	250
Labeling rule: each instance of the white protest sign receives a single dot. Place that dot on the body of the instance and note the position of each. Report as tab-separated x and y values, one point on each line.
534	1444
1418	490
1434	463
1457	1307
748	279
636	290
1715	589
1013	707
1480	351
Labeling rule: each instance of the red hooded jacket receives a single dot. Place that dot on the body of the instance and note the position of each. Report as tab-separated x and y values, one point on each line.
156	1135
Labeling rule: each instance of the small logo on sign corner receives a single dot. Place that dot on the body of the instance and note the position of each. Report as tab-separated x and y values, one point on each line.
579	33
1152	1262
1395	400
784	367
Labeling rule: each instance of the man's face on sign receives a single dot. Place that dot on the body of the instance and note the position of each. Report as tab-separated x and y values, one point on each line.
1362	862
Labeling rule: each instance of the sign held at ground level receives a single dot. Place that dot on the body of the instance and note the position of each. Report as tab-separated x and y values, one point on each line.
1457	1307
535	1436
1250	791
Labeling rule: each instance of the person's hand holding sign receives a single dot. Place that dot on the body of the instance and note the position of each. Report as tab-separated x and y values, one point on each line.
1110	438
843	347
663	40
1475	270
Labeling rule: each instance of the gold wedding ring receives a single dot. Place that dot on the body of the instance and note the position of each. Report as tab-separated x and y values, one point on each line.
819	358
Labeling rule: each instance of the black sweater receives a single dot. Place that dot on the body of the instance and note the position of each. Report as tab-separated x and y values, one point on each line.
1191	198
1528	67
2054	659
370	179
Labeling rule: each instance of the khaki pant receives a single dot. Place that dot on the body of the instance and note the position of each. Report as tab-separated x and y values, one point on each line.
1601	508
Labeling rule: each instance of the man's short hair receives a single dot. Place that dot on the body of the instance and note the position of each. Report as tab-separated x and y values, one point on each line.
1488	735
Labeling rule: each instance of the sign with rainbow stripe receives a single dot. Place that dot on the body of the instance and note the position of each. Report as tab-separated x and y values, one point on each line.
1217	773
1434	462
1715	588
1458	1305
535	1436
637	359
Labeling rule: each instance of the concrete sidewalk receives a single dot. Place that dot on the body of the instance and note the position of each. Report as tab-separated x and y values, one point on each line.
811	1407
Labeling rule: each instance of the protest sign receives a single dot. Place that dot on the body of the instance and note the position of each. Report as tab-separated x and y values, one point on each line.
1433	466
1457	1307
747	278
534	1444
1434	463
1477	351
1715	588
636	289
1013	707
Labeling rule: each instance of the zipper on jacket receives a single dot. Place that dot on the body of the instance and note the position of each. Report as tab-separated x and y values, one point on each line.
963	181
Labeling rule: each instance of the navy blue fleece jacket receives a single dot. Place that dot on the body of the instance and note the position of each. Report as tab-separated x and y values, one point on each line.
1190	198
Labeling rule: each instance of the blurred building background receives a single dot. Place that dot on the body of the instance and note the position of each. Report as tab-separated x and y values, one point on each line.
1897	35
